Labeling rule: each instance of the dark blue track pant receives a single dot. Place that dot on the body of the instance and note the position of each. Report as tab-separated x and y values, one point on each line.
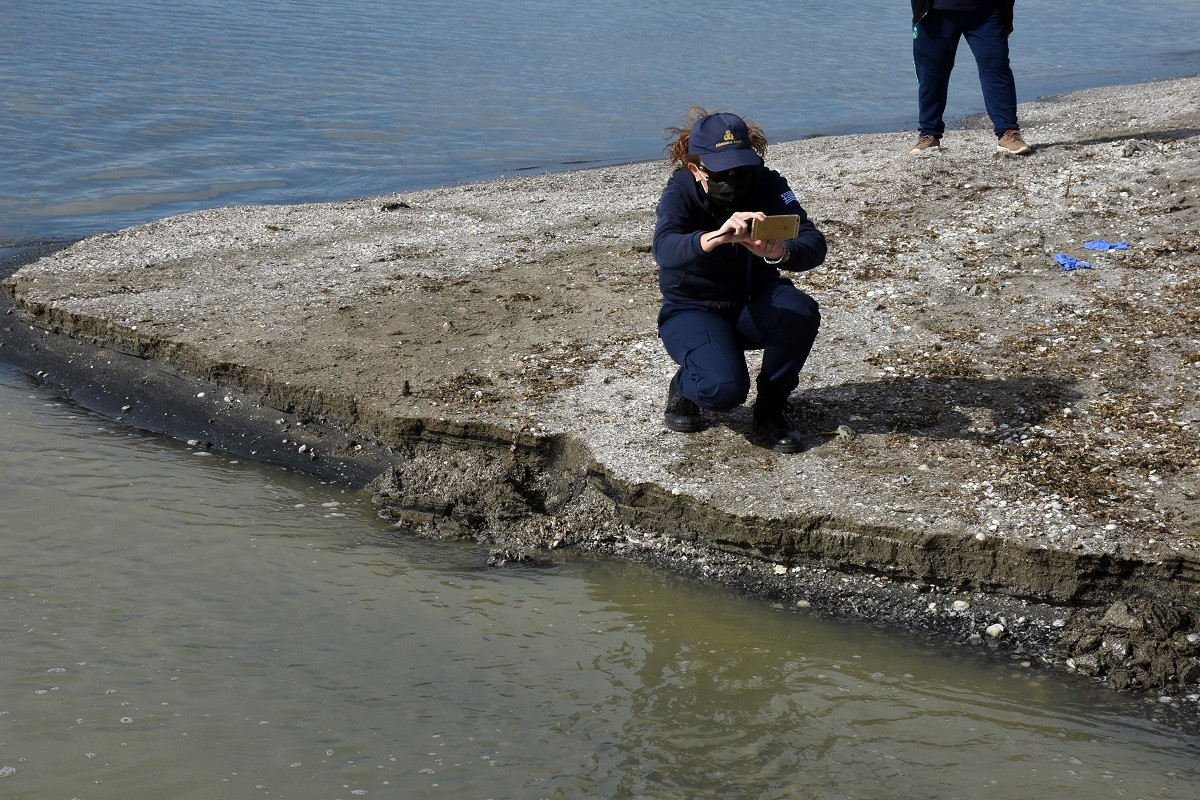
710	346
935	42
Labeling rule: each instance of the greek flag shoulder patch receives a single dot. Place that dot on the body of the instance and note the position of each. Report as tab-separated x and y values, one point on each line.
788	197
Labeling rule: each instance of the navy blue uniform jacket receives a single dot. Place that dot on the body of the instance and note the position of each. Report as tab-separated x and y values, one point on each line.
724	279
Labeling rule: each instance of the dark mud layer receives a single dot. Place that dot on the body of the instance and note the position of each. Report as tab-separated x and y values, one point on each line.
1017	462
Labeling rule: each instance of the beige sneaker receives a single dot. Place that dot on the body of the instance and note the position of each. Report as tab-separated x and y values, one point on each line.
1011	144
926	142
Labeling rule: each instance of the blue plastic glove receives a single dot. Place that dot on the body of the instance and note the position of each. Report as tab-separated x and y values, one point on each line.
1069	263
1100	244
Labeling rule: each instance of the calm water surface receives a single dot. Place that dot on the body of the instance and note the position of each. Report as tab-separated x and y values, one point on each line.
182	625
118	113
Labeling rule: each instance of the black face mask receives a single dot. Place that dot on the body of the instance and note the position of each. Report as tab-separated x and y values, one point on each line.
728	193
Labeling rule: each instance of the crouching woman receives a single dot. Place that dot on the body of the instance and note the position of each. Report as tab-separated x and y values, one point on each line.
722	290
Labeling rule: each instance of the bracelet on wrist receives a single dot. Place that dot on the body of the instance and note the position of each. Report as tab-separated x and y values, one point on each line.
782	257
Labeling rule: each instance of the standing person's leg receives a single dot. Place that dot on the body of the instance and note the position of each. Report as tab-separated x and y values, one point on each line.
712	366
935	43
989	44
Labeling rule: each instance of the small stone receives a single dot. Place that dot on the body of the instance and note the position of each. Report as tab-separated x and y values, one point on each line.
961	605
981	536
780	569
995	630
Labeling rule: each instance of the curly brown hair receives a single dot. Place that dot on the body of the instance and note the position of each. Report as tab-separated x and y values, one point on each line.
677	149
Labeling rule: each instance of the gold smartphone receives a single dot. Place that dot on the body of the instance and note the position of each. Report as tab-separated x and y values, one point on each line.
782	226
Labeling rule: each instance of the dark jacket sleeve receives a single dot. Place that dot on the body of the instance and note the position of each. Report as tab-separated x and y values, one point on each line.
676	238
808	249
680	222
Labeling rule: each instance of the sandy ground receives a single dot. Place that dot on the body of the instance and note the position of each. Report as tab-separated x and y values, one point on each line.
1000	450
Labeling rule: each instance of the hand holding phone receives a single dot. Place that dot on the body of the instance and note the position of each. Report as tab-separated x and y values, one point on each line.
780	226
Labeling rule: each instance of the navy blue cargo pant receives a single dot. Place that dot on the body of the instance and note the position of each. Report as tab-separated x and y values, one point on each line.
710	346
935	42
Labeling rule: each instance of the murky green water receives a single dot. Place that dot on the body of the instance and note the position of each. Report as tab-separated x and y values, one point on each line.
181	625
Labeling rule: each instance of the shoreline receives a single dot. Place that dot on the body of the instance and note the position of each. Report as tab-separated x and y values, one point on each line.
1022	473
33	242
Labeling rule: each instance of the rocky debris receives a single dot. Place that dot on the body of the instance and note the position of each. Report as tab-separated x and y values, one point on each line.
1000	451
1139	644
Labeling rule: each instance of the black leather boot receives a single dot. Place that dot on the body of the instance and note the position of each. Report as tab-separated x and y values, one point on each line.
773	423
681	415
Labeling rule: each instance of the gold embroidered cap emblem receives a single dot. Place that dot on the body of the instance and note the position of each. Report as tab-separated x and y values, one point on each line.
728	138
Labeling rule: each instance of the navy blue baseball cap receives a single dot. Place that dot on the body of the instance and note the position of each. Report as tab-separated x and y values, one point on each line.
723	142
